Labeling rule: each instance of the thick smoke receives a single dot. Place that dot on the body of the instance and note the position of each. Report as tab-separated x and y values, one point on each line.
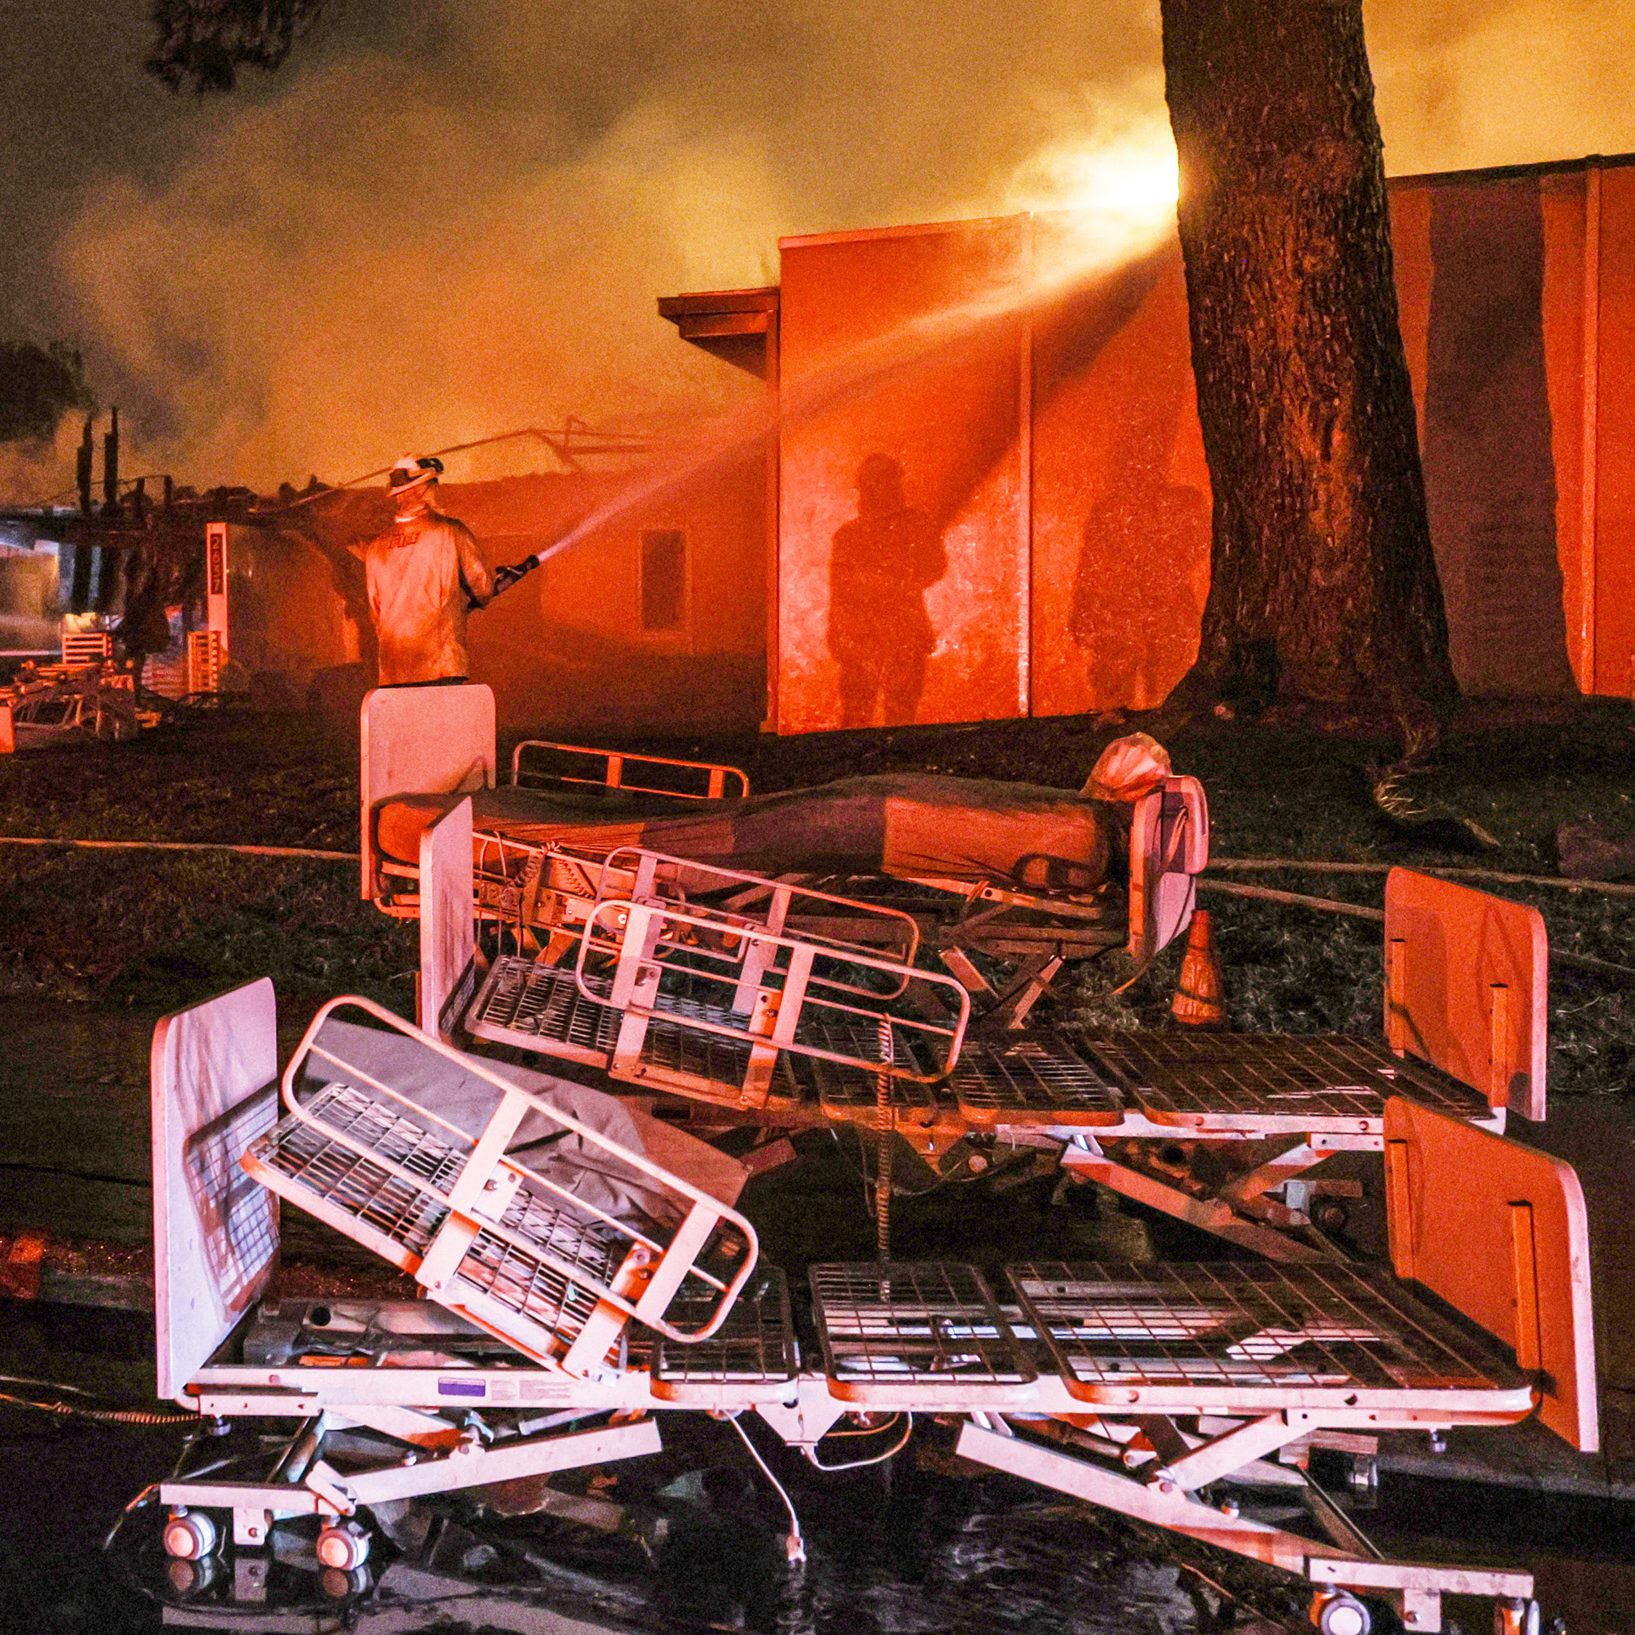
415	247
457	224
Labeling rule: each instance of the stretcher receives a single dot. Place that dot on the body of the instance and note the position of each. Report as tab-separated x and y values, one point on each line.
1157	1391
1031	874
1218	1129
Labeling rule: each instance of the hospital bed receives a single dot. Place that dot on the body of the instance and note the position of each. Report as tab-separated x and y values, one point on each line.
1030	874
1221	1130
1159	1391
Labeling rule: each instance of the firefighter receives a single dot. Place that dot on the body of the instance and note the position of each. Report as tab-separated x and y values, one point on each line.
422	573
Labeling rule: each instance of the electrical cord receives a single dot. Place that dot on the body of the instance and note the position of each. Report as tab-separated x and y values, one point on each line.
794	1543
49	1385
862	1464
99	1416
862	1430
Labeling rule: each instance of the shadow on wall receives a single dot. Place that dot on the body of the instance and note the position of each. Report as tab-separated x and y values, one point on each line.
1490	474
1137	594
881	564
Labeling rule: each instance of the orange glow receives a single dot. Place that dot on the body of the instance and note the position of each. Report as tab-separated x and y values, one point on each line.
1116	195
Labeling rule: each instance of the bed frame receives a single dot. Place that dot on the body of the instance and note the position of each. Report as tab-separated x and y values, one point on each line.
1464	1001
1142	1388
440	741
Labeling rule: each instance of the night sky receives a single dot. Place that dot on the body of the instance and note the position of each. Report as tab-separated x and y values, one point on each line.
446	218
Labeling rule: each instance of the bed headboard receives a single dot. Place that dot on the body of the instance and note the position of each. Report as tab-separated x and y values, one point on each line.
448	939
431	740
1467	987
1169	846
1498	1231
214	1076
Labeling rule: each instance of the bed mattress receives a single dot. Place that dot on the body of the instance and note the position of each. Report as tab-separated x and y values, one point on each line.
909	825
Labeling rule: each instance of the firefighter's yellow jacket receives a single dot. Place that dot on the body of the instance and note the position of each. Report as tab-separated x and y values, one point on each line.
421	573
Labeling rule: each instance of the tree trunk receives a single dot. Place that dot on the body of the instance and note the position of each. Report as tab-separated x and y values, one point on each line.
1323	586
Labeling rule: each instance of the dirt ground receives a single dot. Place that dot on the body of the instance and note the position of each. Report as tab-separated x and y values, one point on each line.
142	932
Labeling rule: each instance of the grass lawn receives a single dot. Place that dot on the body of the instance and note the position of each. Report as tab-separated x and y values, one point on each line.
148	931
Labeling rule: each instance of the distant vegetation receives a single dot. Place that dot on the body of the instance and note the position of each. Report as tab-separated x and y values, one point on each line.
201	45
38	386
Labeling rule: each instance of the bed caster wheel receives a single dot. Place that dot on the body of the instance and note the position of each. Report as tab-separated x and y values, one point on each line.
190	1535
1335	1612
1516	1618
343	1545
1331	1216
338	1586
189	1579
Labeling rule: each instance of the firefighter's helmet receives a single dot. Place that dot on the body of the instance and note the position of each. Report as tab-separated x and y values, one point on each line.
414	470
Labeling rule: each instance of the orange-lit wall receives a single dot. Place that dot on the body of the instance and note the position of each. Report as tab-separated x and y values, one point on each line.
1121	494
1054	445
1611	568
565	650
902	350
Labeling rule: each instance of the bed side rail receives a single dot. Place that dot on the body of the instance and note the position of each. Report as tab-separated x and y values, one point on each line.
1169	847
844	925
493	1248
213	1072
420	741
708	974
542	761
1467	987
1499	1231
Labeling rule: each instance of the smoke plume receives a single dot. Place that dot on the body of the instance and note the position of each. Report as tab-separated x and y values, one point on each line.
448	218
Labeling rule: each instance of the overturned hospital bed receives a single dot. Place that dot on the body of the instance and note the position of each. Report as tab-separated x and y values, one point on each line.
580	1290
734	1010
1029	873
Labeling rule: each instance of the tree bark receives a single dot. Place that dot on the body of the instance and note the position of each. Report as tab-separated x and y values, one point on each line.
1323	586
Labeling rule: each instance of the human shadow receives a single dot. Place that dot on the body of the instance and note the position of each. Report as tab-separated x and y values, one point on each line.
1136	607
881	564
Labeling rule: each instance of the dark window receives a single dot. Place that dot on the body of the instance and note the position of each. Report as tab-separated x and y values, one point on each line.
664	579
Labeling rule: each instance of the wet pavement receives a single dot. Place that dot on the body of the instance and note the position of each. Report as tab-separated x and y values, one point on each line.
693	1540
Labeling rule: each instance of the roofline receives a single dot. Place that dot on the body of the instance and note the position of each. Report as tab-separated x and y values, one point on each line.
1499	173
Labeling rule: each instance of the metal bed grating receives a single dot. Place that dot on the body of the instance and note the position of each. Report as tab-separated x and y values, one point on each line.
1040	1079
914	1323
754	1346
526	1283
1220	1075
540	1007
843	1091
309	1168
1249	1325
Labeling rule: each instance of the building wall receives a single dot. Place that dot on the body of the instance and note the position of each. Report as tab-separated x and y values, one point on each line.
1611	559
1075	505
904	356
1121	511
568	650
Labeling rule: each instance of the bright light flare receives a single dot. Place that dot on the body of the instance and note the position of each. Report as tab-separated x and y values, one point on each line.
1113	197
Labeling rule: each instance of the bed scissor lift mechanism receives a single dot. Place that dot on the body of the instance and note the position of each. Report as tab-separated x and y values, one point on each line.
559	1333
